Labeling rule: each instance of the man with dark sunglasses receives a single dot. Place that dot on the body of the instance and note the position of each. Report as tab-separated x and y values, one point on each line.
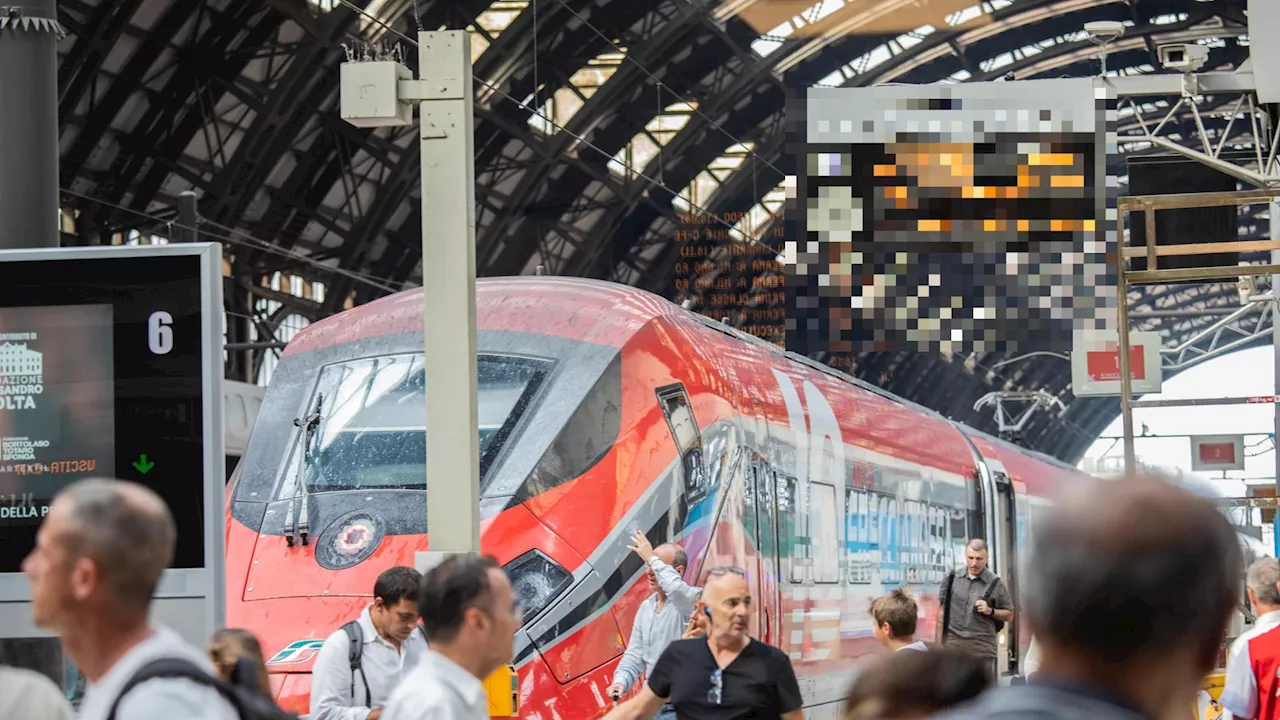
726	675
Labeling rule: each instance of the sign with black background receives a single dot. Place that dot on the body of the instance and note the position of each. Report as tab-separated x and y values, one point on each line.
154	435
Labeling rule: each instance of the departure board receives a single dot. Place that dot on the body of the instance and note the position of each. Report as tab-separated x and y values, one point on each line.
969	217
731	276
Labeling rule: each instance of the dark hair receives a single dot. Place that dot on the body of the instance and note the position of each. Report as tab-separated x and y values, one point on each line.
398	583
457	584
682	557
912	683
899	610
128	532
1133	568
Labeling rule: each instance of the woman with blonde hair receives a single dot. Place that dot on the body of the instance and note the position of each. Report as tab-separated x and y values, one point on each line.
237	655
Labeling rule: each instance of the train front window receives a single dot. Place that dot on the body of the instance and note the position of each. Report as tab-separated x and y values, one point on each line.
369	421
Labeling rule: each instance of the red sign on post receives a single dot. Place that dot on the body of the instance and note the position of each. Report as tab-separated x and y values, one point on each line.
1104	365
1218	453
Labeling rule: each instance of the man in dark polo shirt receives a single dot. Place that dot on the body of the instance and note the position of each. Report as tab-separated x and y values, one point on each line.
972	602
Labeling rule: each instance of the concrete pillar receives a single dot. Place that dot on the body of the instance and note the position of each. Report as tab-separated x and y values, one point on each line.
29	33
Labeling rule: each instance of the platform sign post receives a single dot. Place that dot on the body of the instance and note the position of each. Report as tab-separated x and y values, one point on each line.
1274	209
111	366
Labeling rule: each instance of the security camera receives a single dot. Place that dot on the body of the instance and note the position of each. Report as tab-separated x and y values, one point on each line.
1104	31
1183	57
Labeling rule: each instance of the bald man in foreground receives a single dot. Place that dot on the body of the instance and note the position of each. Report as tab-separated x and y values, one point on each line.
726	675
1130	590
98	557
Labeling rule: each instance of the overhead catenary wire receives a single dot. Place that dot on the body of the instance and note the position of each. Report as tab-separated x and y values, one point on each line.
244	239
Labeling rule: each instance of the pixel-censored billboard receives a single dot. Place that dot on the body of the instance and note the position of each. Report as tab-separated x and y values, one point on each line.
972	217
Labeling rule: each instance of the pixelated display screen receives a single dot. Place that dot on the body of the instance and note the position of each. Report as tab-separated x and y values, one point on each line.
949	217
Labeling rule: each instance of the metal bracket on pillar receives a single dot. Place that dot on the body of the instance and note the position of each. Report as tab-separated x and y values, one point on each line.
380	94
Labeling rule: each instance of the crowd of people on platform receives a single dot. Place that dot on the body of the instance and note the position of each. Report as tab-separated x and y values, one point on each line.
1129	593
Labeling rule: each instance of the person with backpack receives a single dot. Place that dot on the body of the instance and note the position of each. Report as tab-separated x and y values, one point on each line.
975	606
98	558
363	661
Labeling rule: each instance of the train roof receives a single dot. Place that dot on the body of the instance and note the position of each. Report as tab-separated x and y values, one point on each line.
576	308
581	309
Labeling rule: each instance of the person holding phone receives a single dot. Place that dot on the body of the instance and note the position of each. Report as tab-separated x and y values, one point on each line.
663	617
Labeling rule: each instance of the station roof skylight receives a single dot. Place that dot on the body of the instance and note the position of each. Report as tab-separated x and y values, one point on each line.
560	108
647	143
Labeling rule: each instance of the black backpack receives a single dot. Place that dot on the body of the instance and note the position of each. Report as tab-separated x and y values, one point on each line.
249	702
355	651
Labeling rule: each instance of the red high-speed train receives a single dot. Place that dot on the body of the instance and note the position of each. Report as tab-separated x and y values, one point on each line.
604	409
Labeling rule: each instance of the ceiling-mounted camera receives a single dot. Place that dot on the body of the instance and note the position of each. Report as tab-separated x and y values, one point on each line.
1183	57
1104	31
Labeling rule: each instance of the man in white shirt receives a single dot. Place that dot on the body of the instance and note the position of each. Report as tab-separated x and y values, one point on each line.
661	619
98	557
29	695
1257	647
471	616
390	644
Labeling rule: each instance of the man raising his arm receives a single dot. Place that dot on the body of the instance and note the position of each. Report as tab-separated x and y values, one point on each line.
661	618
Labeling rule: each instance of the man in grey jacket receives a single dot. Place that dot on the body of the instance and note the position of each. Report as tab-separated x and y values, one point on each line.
1130	591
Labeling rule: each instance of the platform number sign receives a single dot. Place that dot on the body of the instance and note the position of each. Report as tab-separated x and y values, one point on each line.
160	332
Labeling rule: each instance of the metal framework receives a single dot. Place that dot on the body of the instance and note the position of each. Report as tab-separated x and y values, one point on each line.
1125	277
237	100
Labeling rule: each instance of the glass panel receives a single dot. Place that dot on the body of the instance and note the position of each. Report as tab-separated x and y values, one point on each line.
372	430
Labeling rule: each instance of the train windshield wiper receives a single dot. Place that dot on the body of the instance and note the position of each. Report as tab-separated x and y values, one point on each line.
309	424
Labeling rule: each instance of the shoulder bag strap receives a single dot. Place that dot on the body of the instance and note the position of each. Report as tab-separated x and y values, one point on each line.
946	604
172	668
355	658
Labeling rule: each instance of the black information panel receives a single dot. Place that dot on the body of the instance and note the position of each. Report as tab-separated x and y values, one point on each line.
100	376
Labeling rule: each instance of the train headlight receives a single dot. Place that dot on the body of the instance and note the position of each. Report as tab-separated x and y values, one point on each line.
537	580
349	540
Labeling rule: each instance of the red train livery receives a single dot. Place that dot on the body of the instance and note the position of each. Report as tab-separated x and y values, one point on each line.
604	409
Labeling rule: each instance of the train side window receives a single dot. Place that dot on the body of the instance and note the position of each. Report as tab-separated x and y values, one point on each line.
687	434
824	533
586	438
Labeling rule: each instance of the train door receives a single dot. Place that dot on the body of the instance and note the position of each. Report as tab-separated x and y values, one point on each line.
1005	558
764	537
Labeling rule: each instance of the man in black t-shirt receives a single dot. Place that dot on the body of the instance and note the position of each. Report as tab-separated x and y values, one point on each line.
724	676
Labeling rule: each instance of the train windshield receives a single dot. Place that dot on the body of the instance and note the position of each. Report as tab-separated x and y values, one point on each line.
368	419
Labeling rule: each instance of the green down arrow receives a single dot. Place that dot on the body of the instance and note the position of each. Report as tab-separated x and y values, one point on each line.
143	465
